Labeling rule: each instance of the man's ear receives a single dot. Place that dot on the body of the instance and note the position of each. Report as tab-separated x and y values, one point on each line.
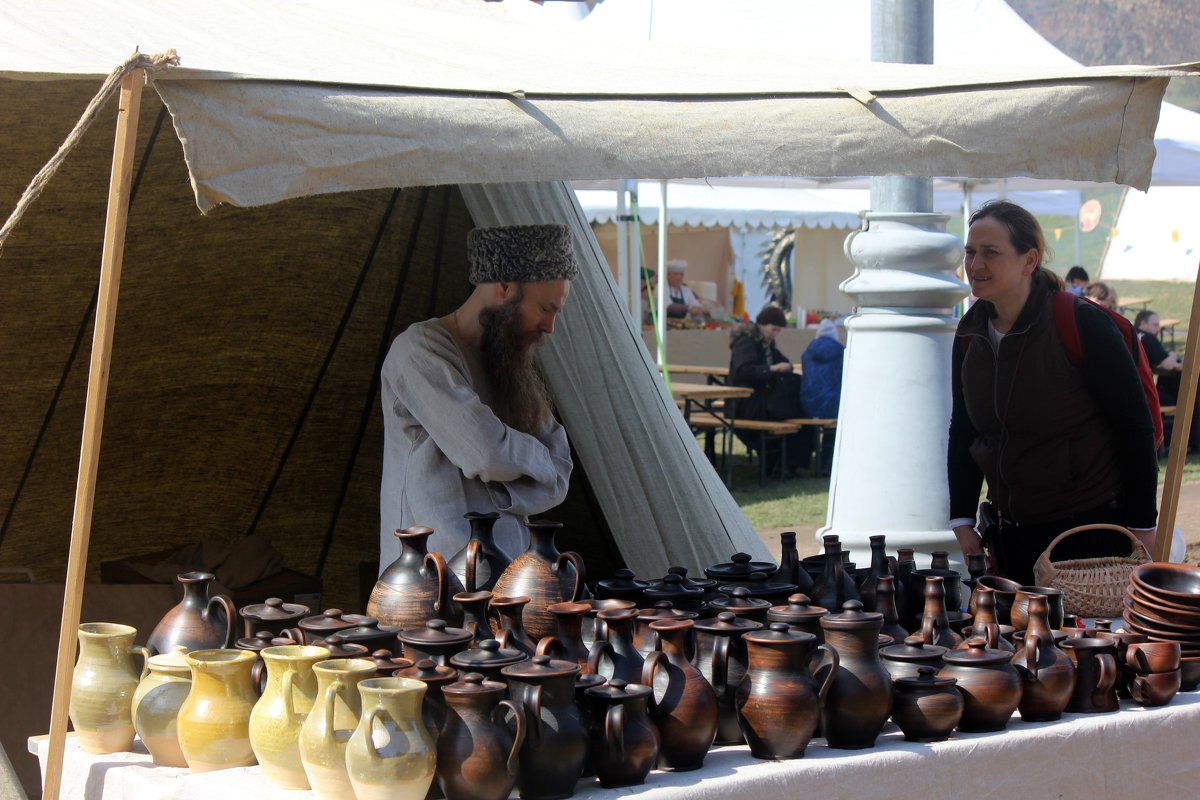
504	289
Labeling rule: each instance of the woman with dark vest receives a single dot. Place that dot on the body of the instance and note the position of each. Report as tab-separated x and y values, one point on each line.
1060	446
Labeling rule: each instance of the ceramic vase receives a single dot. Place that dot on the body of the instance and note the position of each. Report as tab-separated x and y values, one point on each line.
279	714
102	687
477	752
199	622
156	705
555	749
330	723
416	587
683	704
390	755
479	564
214	720
544	575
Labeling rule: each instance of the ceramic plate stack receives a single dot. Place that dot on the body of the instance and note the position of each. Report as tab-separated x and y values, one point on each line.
1163	602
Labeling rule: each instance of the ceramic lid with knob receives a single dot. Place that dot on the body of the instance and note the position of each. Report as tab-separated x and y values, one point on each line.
256	642
273	609
474	684
852	616
912	650
739	566
340	648
540	668
172	663
799	609
329	621
727	623
694	583
740	598
617	690
664	609
673	588
430	672
435	633
977	654
623	580
779	632
487	654
926	678
386	664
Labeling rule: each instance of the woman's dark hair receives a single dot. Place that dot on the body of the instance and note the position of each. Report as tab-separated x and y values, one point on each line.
771	315
1024	232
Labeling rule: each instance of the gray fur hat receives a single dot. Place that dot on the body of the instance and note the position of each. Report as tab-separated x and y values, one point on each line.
521	254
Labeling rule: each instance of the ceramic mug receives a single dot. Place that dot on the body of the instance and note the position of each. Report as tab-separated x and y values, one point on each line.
1152	657
1155	689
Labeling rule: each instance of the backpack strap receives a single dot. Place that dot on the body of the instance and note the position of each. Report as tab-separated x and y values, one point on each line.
1068	329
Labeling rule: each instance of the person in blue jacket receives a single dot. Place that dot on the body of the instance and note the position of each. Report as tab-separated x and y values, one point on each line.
821	392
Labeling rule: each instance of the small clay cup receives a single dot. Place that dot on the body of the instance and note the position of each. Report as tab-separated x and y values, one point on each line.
1054	606
1153	657
1154	689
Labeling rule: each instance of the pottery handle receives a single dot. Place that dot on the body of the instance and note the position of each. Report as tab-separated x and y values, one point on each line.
257	672
1108	676
533	702
368	726
294	634
596	653
577	562
991	632
1032	642
648	667
1135	654
927	623
327	705
519	739
230	615
439	565
139	650
289	702
549	645
614	731
835	664
472	564
720	665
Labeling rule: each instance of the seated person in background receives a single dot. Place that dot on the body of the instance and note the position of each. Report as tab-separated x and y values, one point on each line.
755	362
821	391
1076	279
1167	366
681	300
649	284
1102	294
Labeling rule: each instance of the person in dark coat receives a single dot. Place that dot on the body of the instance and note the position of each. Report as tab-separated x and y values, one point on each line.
821	392
755	362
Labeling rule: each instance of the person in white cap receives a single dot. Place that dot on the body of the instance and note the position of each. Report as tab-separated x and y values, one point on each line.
681	300
468	424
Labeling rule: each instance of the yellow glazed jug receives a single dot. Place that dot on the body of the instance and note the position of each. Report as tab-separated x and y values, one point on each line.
324	735
214	720
391	755
102	687
156	705
276	719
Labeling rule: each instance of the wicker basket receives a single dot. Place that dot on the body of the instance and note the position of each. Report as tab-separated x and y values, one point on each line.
1092	587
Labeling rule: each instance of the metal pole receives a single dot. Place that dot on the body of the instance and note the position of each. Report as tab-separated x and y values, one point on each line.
663	226
623	276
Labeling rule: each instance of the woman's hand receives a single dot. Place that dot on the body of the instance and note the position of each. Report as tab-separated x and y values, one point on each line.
969	541
782	366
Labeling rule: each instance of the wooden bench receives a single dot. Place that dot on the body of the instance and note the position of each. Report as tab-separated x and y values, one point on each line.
766	430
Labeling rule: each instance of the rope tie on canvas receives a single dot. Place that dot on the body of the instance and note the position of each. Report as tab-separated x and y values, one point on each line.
151	63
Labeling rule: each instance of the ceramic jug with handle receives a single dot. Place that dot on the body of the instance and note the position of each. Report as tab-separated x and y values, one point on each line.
214	720
477	751
390	755
279	714
199	622
545	575
102	687
417	586
156	705
330	723
479	564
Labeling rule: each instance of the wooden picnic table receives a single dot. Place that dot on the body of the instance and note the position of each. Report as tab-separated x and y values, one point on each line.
695	369
1129	302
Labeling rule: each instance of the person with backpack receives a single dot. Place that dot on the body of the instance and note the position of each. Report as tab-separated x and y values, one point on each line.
1048	405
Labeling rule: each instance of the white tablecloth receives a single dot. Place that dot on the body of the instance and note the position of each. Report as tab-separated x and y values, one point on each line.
1134	753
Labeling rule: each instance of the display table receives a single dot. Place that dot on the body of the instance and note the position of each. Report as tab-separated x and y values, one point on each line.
1134	753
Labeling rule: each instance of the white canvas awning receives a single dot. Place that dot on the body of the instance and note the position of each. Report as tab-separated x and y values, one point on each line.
294	98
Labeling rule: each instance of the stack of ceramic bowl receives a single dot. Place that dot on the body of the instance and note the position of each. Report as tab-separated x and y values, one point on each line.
1163	603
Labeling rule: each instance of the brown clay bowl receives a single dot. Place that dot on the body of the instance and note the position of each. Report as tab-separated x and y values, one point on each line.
1160	603
1153	611
1156	630
1175	583
1189	673
1171	626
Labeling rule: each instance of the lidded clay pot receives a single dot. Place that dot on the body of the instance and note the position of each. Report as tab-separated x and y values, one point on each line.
623	742
990	685
674	588
436	640
800	614
623	585
927	706
477	752
740	601
555	749
488	658
721	658
906	659
738	567
272	615
859	701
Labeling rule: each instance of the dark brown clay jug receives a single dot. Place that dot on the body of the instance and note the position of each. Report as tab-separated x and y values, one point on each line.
800	614
721	658
906	564
935	625
477	752
879	569
616	657
199	622
1095	675
415	587
645	639
926	706
990	685
487	658
435	677
683	704
479	564
790	570
567	642
476	608
835	586
555	748
885	603
508	622
1054	606
544	575
778	701
1047	672
860	698
1004	592
985	624
623	745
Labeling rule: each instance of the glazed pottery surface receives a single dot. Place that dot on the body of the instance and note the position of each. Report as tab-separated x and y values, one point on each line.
800	614
279	714
435	677
721	658
477	751
214	720
1054	606
990	685
778	701
616	656
156	705
927	707
330	723
555	749
683	704
1047	672
102	687
859	700
390	755
567	642
623	745
199	622
1095	675
479	564
417	586
272	615
544	575
435	639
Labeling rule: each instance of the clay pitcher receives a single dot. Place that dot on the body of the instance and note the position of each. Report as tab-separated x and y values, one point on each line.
860	699
1046	672
477	753
476	608
278	715
199	622
623	745
390	755
156	705
102	687
683	704
330	723
416	587
508	623
616	656
479	564
721	657
545	575
567	643
778	701
879	569
555	748
935	625
985	624
214	720
835	586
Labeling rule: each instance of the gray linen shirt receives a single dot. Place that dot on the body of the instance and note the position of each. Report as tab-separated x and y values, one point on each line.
446	453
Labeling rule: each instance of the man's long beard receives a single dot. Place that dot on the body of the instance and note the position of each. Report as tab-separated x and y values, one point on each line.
519	395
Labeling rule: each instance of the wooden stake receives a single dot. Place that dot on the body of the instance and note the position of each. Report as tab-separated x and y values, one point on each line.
1179	434
93	418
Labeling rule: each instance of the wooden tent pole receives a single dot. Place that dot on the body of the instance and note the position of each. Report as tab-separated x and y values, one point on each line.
1184	404
93	417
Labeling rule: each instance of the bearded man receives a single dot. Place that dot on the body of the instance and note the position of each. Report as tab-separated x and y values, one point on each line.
467	418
